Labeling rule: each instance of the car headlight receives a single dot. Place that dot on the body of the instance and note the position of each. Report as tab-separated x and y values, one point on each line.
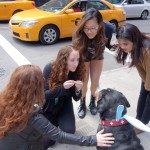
28	23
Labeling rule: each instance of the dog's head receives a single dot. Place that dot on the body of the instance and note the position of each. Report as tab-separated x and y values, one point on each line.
108	101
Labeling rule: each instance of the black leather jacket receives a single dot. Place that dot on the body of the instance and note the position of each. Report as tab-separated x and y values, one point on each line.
32	136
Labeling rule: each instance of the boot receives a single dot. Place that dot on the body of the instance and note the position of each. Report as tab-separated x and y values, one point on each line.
92	106
82	108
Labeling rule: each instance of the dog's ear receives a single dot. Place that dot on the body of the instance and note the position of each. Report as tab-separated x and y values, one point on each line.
124	99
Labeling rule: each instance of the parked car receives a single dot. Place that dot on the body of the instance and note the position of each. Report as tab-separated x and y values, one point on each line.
10	7
59	18
134	8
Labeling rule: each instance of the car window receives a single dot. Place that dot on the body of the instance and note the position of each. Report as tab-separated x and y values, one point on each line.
115	1
135	2
97	5
40	2
79	6
54	5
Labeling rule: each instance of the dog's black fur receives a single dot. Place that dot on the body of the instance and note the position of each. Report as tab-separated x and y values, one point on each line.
125	137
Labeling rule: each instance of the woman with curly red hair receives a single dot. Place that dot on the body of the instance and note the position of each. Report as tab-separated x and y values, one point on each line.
21	124
63	81
18	98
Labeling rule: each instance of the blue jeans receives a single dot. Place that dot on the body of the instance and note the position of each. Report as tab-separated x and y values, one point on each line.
143	106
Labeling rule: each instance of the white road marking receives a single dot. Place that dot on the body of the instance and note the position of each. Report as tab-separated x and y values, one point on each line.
20	59
13	52
4	27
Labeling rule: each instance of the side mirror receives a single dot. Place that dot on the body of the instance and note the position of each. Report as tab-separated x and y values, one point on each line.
69	11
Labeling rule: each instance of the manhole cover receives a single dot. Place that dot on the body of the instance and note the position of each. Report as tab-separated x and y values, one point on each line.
2	72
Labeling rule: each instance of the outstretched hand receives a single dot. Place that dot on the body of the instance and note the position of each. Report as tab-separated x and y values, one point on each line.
104	140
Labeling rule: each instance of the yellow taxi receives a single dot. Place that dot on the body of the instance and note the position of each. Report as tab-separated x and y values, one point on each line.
10	7
58	19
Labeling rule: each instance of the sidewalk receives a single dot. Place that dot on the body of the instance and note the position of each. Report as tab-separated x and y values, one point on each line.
124	80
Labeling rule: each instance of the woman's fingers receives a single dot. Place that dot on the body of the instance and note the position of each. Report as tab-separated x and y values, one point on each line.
105	140
101	131
107	134
68	84
106	145
108	140
108	137
78	84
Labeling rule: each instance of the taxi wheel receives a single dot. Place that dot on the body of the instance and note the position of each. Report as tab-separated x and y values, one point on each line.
49	35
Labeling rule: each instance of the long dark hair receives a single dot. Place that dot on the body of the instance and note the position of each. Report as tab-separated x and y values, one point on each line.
140	42
81	41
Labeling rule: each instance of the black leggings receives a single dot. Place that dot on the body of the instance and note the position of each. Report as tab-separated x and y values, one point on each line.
143	106
65	121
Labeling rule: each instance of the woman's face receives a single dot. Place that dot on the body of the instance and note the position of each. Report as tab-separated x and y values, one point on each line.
73	61
125	45
91	28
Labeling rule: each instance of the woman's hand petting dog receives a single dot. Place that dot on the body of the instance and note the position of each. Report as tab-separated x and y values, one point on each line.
104	140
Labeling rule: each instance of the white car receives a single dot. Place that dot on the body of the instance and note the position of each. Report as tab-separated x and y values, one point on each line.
134	8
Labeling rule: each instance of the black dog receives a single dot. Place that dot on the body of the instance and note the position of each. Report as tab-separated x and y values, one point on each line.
125	137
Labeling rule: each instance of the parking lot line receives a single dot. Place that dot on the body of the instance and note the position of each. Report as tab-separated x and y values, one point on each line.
13	52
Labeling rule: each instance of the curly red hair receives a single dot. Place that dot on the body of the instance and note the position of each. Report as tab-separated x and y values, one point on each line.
59	68
17	100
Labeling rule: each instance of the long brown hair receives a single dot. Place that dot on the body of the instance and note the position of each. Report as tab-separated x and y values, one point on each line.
81	41
59	68
17	100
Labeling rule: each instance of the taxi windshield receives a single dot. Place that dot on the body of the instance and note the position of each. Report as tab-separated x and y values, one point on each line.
54	5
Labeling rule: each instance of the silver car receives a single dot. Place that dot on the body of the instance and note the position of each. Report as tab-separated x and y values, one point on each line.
134	8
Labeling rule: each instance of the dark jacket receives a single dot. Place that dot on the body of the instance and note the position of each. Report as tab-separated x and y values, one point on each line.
31	138
109	30
56	98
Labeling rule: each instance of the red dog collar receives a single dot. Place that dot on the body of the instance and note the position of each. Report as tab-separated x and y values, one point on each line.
113	122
